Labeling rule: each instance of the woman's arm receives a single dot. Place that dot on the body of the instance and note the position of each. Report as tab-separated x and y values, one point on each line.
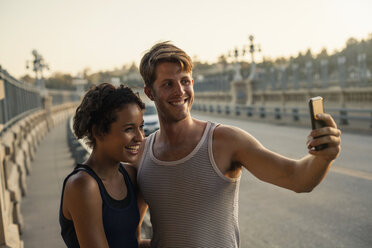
83	205
143	243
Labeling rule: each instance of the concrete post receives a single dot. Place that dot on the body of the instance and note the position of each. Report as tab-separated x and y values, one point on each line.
341	61
362	69
272	78
238	91
9	232
263	81
324	72
47	105
295	75
283	77
309	74
249	92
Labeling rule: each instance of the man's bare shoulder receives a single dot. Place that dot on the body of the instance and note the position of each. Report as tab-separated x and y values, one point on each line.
233	138
230	133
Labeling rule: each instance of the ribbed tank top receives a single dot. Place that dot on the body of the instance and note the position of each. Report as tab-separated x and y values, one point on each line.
191	203
120	217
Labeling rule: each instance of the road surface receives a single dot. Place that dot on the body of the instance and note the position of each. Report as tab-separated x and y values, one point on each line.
338	213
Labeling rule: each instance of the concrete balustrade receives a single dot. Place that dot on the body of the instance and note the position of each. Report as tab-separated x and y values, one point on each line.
79	150
17	149
9	232
350	107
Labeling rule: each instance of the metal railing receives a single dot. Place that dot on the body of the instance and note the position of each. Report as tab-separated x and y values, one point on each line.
19	99
63	96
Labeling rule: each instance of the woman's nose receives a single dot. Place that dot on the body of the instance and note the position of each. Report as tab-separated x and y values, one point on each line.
140	134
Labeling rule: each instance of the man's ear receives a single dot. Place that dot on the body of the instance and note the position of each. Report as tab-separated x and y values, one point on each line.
148	92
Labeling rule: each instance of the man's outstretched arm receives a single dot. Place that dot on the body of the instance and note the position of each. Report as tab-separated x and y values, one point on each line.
298	175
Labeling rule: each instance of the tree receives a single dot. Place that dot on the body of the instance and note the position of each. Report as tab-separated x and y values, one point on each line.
59	80
351	42
308	54
281	61
133	68
323	54
222	60
86	72
27	79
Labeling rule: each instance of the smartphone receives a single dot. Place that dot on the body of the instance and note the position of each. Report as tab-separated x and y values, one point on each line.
316	107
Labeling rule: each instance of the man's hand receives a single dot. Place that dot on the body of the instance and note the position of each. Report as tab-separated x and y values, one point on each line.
330	135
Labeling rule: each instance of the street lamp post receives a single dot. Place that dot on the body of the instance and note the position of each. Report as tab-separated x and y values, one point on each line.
38	66
238	75
252	49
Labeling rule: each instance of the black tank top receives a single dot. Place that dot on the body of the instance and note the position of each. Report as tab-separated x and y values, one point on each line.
120	217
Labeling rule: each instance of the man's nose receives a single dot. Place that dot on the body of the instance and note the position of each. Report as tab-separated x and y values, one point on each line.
179	89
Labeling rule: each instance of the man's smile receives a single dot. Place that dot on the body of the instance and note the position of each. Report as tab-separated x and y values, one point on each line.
178	102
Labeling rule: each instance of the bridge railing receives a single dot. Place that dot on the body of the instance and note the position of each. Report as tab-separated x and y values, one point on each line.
346	118
16	99
26	115
63	96
326	73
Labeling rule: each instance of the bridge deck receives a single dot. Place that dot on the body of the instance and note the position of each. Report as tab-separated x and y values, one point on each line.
40	206
269	216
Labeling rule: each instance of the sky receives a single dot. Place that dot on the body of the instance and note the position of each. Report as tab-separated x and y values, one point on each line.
72	35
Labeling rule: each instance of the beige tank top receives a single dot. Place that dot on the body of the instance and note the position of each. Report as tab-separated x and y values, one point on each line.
192	204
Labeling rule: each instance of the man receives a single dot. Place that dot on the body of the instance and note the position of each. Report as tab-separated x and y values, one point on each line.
190	169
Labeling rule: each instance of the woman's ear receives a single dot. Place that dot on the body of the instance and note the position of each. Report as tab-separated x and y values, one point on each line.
96	133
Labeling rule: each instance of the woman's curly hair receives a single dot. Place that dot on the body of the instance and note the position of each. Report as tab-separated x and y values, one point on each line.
98	110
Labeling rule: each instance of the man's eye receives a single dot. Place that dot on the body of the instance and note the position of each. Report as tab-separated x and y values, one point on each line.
129	129
186	81
142	126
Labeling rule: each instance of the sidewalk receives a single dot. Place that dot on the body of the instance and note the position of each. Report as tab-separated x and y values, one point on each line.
40	206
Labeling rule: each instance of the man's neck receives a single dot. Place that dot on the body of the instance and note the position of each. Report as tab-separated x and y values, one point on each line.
176	132
176	140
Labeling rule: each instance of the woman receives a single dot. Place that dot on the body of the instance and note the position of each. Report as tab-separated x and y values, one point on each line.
98	204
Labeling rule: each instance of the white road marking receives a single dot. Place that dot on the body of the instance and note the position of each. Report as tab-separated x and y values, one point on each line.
351	172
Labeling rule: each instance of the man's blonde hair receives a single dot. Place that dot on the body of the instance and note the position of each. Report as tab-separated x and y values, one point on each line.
163	52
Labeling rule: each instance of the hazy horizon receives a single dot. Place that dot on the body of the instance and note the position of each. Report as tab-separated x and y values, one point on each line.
102	35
